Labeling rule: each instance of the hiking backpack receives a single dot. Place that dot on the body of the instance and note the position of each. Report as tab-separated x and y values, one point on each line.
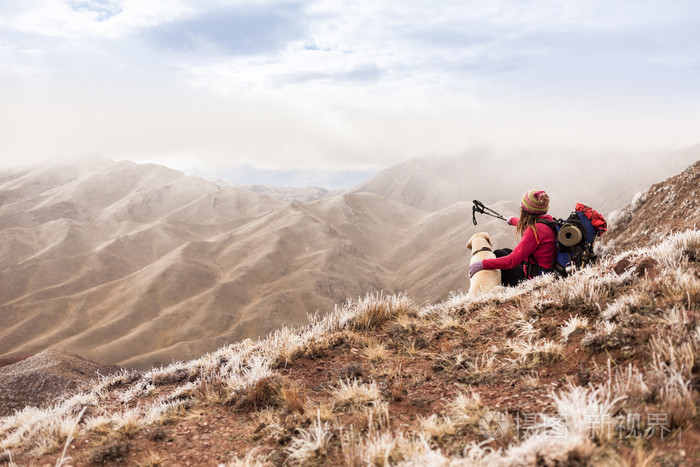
575	236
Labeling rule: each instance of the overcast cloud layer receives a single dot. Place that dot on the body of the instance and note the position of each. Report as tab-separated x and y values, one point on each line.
340	85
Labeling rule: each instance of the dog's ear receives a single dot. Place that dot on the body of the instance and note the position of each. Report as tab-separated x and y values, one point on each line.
486	237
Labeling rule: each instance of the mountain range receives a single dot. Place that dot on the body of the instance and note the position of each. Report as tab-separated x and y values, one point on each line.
140	265
598	368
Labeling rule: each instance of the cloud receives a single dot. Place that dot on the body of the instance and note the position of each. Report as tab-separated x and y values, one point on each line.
237	30
359	74
101	10
331	84
328	179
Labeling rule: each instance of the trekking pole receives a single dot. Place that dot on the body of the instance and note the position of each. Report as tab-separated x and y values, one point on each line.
481	209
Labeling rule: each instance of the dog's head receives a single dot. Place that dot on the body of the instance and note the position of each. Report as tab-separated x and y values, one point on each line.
479	240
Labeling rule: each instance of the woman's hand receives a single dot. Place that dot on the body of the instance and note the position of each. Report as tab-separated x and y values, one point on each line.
474	268
513	221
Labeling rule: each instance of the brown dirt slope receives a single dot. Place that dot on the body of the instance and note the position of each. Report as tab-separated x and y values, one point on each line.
669	206
596	369
42	378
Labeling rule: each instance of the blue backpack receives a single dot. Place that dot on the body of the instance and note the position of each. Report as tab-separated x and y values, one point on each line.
575	236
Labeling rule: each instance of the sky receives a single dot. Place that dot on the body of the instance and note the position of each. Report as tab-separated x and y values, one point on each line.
343	87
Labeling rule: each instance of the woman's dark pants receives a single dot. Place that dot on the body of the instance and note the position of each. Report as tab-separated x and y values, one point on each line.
510	277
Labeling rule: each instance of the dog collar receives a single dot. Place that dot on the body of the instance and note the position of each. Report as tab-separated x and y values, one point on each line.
482	249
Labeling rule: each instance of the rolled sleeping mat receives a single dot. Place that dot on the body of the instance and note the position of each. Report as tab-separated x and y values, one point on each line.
570	235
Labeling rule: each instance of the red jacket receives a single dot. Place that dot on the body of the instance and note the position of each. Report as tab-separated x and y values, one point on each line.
541	246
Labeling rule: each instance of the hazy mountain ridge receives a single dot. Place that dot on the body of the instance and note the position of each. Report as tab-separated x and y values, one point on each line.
292	194
417	183
105	243
606	181
140	264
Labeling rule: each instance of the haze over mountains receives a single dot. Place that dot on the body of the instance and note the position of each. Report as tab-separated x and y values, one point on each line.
604	180
140	264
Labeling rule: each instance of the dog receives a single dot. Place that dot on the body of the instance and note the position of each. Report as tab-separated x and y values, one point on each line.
487	279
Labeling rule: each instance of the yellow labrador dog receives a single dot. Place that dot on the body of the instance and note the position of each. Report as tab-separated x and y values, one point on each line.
487	279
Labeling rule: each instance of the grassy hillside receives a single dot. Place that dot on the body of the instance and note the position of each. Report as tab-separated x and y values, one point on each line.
598	368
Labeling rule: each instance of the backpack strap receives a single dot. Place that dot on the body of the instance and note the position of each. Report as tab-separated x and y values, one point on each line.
552	224
533	267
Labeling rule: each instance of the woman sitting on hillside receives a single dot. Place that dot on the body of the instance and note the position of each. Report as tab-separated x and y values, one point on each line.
535	251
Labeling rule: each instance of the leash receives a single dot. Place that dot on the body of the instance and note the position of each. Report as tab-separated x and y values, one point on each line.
481	209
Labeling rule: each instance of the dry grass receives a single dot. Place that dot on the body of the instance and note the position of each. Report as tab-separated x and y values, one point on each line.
376	417
639	457
351	394
154	460
531	381
350	448
678	286
466	409
449	322
680	357
247	374
6	458
292	396
574	291
601	336
310	443
473	368
252	459
65	459
675	393
532	353
127	424
389	448
630	382
286	344
482	365
437	427
572	325
376	352
273	425
211	387
620	309
526	329
588	411
375	310
264	392
676	317
324	409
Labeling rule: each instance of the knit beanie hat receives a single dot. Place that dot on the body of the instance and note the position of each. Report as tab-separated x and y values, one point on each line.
535	202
